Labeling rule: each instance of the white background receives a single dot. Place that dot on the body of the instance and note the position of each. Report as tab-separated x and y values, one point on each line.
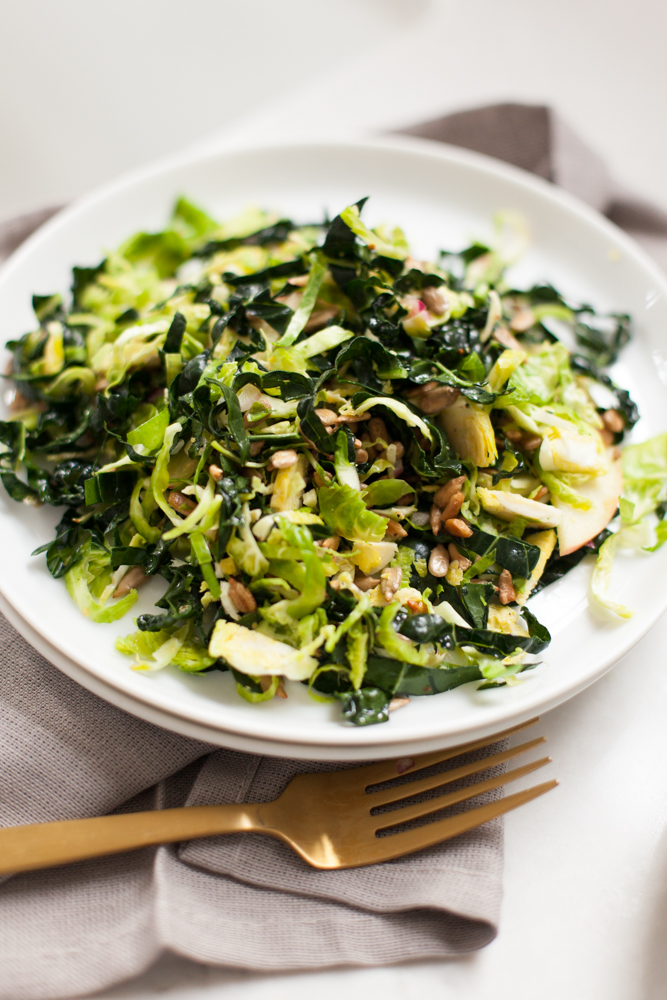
88	89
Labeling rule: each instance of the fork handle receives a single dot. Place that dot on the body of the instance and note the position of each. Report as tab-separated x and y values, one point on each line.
43	845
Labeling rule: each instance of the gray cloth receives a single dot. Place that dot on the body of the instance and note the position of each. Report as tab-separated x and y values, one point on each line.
536	138
244	901
14	231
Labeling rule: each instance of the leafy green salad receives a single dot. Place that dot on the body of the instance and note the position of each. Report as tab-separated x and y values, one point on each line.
352	468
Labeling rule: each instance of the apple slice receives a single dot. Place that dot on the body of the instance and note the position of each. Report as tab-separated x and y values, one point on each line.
578	526
507	506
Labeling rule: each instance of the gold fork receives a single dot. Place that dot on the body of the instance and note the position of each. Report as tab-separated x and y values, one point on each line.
327	818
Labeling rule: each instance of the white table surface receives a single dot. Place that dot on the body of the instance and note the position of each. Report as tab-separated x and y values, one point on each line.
585	910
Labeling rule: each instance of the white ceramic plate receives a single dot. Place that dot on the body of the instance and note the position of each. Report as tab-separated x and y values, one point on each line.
442	197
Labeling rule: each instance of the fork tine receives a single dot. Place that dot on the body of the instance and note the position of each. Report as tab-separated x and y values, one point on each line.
411	788
407	813
386	770
388	848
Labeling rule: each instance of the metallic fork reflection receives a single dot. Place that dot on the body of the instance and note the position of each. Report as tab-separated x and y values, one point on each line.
330	819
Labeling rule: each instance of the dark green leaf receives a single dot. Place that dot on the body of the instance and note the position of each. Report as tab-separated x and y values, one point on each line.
372	357
624	401
17	489
181	599
64	550
47	307
499	644
407	680
366	707
557	566
476	597
292	385
424	628
425	371
513	554
332	679
82	277
415	280
172	344
313	428
538	631
277	233
474	251
110	487
340	242
125	555
600	338
285	270
437	462
236	426
189	378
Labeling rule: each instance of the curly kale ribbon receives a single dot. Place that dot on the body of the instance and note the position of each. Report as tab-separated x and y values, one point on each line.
386	679
513	554
389	678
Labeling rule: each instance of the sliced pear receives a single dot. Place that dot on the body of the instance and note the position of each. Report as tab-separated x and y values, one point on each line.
450	614
578	526
507	506
546	543
371	557
565	450
470	432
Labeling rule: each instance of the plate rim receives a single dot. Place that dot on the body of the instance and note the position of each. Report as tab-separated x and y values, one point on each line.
480	162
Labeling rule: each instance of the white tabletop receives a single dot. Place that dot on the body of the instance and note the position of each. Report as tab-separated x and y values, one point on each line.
585	909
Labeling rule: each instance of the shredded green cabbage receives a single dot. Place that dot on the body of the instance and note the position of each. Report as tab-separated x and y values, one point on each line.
295	426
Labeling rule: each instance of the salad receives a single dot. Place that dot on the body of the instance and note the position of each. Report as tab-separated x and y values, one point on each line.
351	468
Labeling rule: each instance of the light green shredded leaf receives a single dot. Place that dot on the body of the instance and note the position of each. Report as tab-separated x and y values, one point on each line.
402	410
557	485
660	536
150	435
399	647
396	249
343	509
301	316
89	584
645	474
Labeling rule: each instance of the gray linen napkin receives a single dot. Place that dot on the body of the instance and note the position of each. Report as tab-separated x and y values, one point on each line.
241	901
536	138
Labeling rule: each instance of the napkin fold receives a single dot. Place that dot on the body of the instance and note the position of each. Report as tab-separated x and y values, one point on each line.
246	900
